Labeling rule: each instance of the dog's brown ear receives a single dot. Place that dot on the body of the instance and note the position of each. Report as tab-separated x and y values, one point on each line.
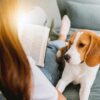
60	57
93	54
62	51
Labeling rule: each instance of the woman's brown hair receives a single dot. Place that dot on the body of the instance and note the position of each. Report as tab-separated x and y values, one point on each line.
15	72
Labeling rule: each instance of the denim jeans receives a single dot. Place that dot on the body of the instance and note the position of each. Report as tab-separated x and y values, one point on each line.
51	67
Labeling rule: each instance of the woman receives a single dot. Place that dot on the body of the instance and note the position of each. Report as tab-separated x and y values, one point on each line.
20	79
15	71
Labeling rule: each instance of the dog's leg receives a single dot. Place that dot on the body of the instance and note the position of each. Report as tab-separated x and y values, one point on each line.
85	91
62	84
87	83
67	77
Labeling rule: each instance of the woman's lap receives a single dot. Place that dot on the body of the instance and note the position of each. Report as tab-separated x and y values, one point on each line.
51	66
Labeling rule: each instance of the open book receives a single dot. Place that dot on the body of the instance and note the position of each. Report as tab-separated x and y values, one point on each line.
34	41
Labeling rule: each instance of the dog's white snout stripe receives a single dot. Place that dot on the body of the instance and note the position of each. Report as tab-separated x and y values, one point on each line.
73	52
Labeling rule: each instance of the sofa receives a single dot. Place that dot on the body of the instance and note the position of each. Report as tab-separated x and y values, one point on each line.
84	14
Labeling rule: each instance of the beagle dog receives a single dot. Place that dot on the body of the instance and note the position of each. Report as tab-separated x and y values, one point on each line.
82	59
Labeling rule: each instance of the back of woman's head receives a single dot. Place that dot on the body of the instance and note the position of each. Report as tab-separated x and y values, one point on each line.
15	74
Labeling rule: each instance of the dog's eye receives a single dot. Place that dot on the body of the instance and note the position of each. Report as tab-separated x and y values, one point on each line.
81	45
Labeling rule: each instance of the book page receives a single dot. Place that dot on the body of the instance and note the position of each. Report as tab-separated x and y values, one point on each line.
34	40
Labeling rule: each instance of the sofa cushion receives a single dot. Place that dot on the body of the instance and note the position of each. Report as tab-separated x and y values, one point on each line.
83	13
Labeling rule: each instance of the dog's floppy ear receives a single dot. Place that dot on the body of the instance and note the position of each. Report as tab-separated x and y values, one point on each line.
60	57
92	57
62	51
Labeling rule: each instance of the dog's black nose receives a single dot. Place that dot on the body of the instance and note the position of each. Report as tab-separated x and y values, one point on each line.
67	57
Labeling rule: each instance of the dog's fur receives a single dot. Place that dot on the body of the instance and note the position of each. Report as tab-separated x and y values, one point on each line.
83	64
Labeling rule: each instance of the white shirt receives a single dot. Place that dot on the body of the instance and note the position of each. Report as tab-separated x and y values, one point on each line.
42	88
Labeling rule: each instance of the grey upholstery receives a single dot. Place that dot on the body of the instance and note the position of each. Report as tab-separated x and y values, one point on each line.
83	13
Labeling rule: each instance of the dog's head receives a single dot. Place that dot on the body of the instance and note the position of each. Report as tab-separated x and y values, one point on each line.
83	46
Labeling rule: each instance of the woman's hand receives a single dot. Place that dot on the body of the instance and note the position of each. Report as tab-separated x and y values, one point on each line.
61	96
